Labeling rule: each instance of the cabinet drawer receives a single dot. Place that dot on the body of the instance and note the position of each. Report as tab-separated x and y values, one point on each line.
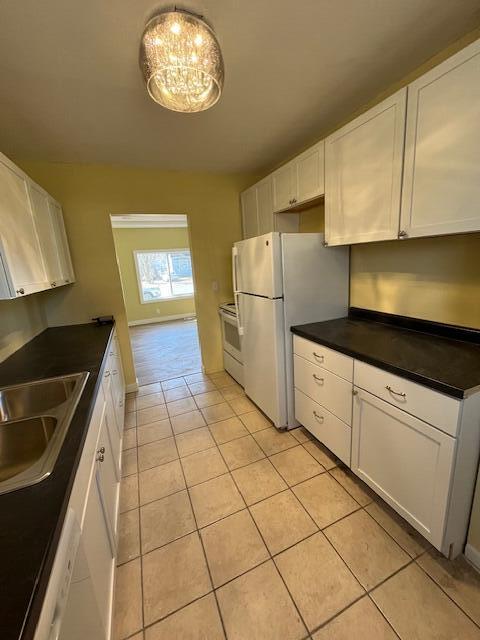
426	404
323	386
328	358
326	427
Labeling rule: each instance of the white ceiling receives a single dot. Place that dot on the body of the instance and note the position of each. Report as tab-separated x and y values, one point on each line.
71	88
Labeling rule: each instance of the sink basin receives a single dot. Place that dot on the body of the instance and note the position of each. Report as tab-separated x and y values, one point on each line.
34	419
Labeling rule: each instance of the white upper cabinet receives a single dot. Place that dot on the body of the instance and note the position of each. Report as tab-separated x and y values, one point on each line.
249	212
363	175
20	252
441	189
34	253
264	206
300	180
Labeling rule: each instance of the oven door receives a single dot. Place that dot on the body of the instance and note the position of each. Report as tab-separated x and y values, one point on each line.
231	338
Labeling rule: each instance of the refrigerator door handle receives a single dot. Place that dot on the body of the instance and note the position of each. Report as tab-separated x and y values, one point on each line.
236	297
234	269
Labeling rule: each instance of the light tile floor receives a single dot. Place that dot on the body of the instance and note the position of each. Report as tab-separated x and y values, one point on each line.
231	529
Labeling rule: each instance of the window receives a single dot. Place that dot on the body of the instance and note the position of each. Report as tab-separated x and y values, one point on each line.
163	275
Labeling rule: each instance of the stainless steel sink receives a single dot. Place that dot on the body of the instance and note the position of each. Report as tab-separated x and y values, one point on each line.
34	419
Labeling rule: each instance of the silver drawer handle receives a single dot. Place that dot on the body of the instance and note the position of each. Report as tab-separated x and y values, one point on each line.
318	356
320	380
397	393
318	417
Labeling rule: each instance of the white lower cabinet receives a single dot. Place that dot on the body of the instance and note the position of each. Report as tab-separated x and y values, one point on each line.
406	461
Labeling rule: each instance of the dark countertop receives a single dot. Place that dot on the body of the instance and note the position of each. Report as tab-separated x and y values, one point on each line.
32	518
442	357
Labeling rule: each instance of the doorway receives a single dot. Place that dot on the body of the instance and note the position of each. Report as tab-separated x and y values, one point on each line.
155	266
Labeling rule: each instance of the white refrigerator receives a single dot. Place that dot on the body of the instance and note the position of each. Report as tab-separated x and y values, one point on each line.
280	280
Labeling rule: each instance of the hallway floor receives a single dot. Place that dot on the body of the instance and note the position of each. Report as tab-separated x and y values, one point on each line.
165	350
230	528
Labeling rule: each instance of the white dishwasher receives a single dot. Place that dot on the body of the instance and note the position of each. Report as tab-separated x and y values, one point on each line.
70	611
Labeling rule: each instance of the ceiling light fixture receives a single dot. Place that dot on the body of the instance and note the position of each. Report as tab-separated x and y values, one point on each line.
181	62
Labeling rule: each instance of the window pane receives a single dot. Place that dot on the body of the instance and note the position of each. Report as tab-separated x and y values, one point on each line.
181	273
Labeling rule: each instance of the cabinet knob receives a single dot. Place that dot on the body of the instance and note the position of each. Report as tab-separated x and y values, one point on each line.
354	392
101	450
100	458
67	280
402	234
294	200
53	284
21	291
325	243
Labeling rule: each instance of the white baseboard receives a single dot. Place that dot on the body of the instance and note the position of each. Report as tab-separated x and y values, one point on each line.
180	316
473	556
130	388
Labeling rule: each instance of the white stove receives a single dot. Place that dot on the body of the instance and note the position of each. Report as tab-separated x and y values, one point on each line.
232	345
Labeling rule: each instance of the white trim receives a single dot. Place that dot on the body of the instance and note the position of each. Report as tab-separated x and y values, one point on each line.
130	388
149	220
473	556
159	319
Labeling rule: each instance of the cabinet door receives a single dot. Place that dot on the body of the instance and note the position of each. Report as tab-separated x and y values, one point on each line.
265	206
249	213
309	173
363	173
98	550
19	243
66	268
283	187
107	478
405	460
47	233
441	188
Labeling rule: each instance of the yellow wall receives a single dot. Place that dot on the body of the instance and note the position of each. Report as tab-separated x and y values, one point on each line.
20	321
313	220
90	193
129	240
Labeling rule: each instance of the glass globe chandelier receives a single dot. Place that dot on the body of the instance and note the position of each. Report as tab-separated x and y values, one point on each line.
181	62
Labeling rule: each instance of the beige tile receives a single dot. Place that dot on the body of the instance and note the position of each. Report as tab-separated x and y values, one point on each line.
321	454
255	421
152	414
146	389
221	379
364	618
402	532
208	399
366	548
258	481
320	583
197	621
233	391
241	404
296	465
161	481
177	407
233	546
196	377
457	578
273	441
417	608
215	499
227	430
173	576
137	636
202	466
282	521
351	483
157	453
187	421
257	606
301	435
130	421
128	536
151	400
129	462
240	452
155	431
177	394
201	387
129	439
324	499
217	412
173	383
127	618
194	441
128	493
166	520
130	404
